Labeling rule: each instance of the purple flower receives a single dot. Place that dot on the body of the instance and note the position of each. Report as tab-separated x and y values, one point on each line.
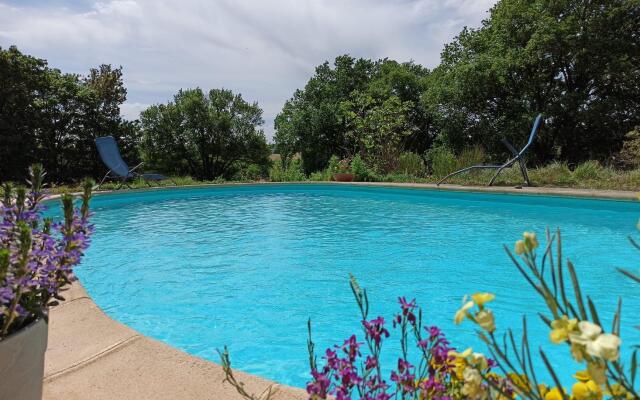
375	329
407	309
37	258
404	378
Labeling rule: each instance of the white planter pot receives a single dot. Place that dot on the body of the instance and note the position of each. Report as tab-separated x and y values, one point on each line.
22	362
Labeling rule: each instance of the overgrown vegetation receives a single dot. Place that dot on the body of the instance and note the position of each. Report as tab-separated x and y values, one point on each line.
569	60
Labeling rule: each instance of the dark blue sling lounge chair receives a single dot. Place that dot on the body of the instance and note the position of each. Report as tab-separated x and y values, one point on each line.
517	157
118	168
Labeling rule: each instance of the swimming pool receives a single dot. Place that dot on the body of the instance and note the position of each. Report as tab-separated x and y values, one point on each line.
246	266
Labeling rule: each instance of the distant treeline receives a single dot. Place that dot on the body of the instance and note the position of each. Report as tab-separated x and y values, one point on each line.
575	61
51	117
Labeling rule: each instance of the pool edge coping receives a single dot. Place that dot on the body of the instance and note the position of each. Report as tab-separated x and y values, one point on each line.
596	194
85	343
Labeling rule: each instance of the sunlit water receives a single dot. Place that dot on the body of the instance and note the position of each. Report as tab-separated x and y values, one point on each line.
247	266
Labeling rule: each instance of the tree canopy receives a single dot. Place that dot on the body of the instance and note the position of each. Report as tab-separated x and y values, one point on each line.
205	135
50	117
319	121
575	61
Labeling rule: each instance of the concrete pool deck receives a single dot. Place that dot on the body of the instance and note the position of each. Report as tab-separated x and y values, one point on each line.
91	356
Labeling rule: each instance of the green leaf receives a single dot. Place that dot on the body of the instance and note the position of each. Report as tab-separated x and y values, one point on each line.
594	312
576	289
630	274
553	374
634	367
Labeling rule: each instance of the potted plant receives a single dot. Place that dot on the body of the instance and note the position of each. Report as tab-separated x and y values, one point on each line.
342	172
37	258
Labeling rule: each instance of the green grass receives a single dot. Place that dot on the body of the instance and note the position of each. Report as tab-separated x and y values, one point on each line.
589	175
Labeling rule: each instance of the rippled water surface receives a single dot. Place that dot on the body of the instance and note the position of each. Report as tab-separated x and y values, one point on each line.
247	266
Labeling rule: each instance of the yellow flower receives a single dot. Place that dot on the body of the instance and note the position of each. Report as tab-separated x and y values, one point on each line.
543	389
473	388
561	329
460	362
619	392
578	352
530	240
460	365
588	390
587	332
462	355
597	372
553	394
582	376
485	319
463	312
478	361
527	244
521	248
520	381
606	346
481	298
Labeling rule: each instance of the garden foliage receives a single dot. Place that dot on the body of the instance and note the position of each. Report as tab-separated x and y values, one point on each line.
574	61
37	255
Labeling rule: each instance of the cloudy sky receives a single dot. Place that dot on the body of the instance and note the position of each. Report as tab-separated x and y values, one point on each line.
264	49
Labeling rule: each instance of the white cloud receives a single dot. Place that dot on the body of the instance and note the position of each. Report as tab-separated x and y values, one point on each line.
264	49
131	110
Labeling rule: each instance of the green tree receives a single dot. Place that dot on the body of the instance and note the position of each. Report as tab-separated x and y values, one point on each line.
573	60
312	121
51	117
378	128
21	78
406	82
205	135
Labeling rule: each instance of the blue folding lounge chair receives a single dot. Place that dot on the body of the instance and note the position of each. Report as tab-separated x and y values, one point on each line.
118	169
517	157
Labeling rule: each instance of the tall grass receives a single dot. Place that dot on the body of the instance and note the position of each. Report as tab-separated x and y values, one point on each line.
291	173
588	175
410	164
441	160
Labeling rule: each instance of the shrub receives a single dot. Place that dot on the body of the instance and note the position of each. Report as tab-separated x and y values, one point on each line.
470	156
320	176
590	170
556	173
37	257
441	160
361	171
401	178
630	153
292	173
251	172
333	165
410	164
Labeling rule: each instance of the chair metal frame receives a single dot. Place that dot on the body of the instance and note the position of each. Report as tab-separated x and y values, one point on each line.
122	179
518	156
110	144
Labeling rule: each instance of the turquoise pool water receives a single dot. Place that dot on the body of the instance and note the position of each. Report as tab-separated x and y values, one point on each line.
247	266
